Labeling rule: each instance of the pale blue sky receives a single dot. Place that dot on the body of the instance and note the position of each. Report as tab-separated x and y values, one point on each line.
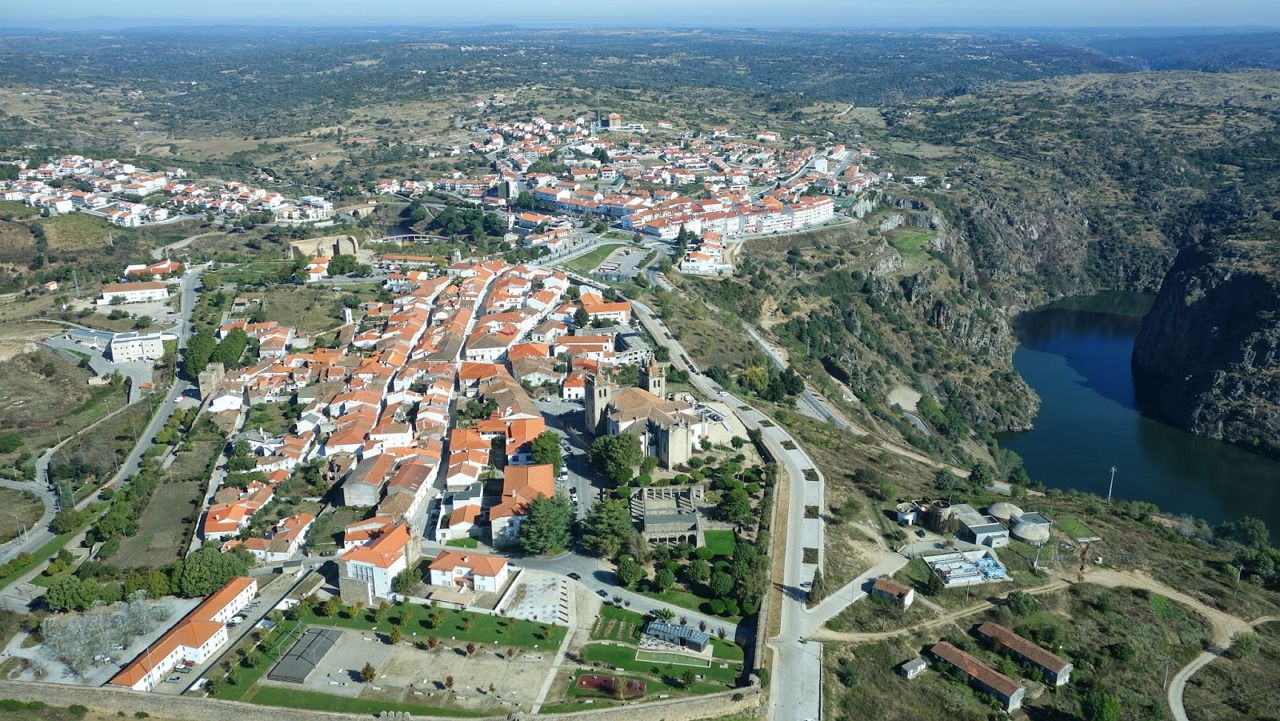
731	13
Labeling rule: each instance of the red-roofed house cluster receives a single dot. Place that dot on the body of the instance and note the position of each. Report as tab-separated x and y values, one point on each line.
381	413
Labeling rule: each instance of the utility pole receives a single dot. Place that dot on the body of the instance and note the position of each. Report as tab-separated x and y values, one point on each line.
1111	484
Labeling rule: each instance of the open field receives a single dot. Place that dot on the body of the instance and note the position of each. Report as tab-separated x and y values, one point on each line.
587	262
163	528
76	231
921	150
46	397
309	309
18	511
910	242
1073	528
162	535
107	444
710	336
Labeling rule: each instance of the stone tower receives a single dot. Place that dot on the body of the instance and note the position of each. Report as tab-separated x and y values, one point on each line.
654	379
599	395
209	379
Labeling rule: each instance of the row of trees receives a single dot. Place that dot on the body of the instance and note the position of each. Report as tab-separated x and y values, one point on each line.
204	348
196	576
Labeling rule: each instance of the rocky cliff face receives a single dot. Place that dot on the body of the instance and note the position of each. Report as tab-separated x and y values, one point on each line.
1208	355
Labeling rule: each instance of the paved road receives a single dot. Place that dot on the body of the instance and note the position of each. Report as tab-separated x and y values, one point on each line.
797	668
817	407
179	387
887	563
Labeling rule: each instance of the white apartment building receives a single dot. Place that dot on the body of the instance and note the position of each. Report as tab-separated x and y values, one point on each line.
128	347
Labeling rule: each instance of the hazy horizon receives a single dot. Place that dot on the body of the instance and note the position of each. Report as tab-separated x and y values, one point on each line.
802	14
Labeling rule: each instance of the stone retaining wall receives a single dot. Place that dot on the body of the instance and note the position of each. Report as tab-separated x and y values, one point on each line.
190	708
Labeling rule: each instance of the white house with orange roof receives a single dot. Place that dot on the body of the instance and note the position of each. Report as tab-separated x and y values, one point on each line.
143	292
520	485
282	542
360	533
469	571
367	572
196	638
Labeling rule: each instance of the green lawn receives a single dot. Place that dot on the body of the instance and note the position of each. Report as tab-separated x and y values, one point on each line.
910	242
274	645
463	543
624	657
296	698
1074	528
484	629
588	261
685	599
662	657
726	650
720	543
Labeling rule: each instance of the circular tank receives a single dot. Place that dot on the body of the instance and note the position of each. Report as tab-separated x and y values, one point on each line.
1031	532
1004	511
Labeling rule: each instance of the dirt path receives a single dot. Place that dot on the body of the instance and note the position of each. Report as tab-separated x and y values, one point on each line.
943	620
1223	625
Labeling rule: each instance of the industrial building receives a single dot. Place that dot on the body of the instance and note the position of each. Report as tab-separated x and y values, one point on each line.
982	677
1056	670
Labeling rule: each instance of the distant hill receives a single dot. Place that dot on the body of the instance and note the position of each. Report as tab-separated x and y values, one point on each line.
1208	53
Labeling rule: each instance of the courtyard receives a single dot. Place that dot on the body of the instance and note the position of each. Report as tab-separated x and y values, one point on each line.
444	677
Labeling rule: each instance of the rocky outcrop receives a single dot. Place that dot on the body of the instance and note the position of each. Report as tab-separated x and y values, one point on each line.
1207	357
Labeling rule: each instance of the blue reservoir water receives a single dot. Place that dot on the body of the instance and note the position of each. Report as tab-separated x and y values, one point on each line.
1076	355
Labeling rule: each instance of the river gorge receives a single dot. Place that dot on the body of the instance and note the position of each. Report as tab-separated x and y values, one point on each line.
1076	354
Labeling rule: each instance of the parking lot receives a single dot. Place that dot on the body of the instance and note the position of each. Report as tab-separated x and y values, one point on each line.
627	261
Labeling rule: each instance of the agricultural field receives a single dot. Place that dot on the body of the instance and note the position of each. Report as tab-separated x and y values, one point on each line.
165	527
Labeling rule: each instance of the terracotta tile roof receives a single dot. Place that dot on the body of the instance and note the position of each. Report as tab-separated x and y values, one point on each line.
976	670
479	563
383	552
1022	647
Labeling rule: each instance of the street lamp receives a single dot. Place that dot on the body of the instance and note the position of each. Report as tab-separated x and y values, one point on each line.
1111	484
